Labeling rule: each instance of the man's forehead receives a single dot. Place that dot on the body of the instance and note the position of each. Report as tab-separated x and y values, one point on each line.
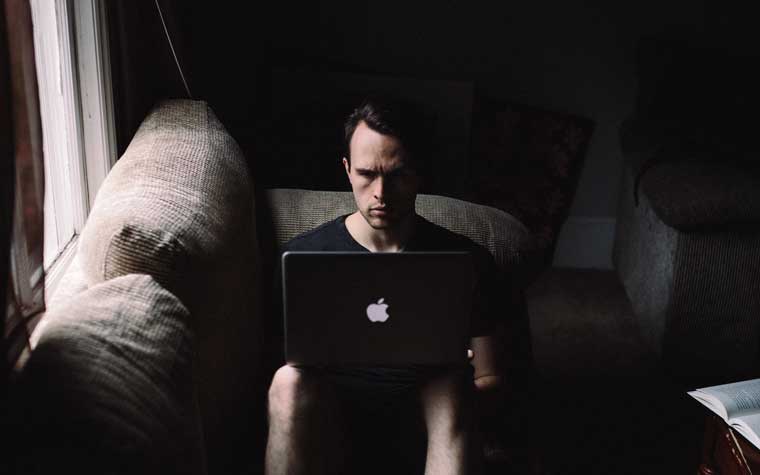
377	166
374	144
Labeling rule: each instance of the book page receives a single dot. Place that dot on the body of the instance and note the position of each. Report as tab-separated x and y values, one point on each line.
710	402
748	426
737	398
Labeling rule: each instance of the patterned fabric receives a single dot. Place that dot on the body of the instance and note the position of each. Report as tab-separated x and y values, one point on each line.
696	293
109	386
687	244
178	205
643	256
297	211
72	283
713	330
527	162
703	194
172	202
690	184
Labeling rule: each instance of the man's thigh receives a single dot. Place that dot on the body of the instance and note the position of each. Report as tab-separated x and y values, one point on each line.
383	419
387	436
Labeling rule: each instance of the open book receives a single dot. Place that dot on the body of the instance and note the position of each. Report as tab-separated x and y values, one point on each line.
737	403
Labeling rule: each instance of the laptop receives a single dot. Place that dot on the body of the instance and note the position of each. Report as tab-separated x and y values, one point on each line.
376	309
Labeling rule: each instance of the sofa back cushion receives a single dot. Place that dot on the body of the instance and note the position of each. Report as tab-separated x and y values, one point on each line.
508	240
108	388
178	205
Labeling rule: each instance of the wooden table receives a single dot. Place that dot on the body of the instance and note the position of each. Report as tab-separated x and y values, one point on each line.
726	452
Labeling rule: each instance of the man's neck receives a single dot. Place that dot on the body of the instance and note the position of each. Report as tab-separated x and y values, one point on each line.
380	240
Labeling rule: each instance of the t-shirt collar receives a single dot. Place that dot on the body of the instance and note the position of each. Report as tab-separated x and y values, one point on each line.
349	239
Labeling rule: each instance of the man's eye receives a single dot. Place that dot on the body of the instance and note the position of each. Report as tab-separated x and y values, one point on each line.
403	172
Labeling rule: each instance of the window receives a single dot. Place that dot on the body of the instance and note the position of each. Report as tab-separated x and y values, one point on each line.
76	109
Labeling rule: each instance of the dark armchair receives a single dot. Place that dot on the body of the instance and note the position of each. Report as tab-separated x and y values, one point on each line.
687	244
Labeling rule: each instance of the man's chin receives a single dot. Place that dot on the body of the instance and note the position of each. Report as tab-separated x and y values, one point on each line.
379	221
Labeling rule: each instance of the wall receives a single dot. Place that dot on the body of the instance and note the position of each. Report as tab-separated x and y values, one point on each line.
566	56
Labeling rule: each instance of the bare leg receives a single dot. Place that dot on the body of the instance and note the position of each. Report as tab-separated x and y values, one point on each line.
447	408
305	434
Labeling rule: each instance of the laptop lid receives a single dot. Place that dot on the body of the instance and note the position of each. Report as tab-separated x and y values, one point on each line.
376	309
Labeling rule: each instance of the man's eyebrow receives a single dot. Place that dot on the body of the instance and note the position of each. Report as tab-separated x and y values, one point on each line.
365	170
396	169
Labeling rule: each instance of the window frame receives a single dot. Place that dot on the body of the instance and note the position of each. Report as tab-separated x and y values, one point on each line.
85	122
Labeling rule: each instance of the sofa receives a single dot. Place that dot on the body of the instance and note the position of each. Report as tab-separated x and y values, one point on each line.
687	243
156	350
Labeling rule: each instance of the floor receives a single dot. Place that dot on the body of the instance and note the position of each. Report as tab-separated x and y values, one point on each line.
600	403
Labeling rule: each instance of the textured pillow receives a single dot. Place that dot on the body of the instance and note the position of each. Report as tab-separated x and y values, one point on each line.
72	282
108	388
172	204
527	162
178	205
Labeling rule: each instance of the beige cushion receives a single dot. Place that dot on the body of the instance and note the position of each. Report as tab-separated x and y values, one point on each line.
172	203
508	240
108	388
72	283
178	205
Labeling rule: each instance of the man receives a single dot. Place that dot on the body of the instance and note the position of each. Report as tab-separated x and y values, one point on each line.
313	412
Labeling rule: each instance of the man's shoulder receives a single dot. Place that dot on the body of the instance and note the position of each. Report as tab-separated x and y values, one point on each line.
438	238
322	238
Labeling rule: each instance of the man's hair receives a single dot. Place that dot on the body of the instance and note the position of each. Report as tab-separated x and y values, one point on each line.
406	122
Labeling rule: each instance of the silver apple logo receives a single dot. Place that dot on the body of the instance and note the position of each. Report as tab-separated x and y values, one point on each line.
378	312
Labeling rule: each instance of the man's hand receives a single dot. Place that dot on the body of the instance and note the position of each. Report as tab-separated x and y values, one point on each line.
489	383
486	382
484	360
489	386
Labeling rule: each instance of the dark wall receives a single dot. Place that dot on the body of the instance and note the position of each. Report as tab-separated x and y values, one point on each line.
566	56
143	70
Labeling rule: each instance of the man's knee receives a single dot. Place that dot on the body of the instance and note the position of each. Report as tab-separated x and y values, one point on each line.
293	391
447	398
451	384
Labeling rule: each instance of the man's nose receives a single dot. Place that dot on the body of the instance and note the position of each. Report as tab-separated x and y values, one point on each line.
380	188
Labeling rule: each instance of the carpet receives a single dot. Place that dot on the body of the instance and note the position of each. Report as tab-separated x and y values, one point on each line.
599	401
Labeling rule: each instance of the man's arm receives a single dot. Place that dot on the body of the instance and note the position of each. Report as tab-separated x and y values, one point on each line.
488	374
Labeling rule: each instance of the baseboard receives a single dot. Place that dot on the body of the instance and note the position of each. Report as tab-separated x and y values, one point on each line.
585	242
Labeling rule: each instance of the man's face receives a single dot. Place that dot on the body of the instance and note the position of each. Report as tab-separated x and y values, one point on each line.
385	188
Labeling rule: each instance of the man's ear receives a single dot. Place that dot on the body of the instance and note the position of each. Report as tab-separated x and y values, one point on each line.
347	166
